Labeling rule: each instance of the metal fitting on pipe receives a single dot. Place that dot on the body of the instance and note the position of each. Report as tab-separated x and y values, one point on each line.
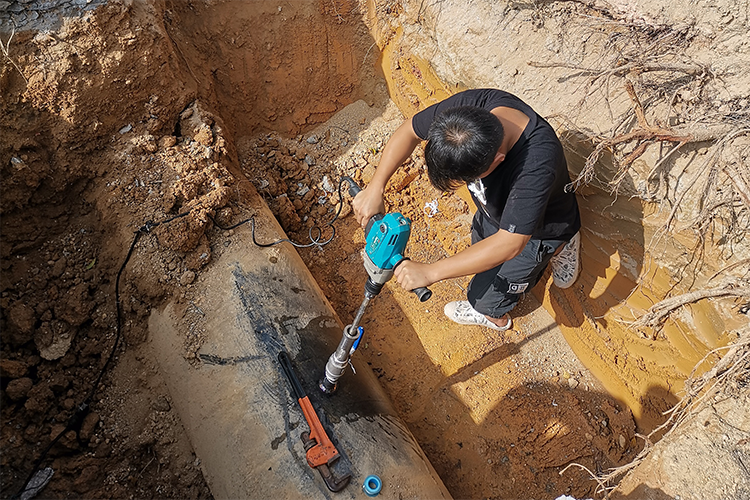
336	365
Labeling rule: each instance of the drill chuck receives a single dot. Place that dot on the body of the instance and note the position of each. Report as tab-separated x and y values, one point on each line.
372	288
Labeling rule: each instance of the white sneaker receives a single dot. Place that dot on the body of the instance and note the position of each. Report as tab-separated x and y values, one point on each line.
567	264
462	313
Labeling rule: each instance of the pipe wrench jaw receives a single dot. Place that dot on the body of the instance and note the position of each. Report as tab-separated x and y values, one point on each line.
332	483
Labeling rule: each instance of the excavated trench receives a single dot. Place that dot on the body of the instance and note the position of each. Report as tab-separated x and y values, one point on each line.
195	116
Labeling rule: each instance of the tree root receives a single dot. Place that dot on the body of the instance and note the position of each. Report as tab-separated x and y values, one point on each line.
740	185
5	48
699	391
716	188
645	135
692	69
731	267
734	365
658	313
602	484
708	166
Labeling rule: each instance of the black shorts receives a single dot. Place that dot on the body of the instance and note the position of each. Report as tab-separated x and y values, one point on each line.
497	291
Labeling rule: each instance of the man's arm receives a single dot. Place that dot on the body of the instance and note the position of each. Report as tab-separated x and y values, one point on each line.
398	149
481	256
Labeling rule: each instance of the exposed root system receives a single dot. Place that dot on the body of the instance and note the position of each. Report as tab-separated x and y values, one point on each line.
729	377
657	314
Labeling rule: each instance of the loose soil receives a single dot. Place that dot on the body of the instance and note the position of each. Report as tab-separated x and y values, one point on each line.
125	116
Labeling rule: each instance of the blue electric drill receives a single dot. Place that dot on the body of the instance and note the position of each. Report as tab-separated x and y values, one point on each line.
385	241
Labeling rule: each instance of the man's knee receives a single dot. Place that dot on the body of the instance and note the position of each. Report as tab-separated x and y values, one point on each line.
495	297
494	304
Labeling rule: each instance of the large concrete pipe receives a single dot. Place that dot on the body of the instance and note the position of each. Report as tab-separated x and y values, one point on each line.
237	405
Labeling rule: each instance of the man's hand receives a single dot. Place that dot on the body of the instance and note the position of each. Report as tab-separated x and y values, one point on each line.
398	149
411	275
367	203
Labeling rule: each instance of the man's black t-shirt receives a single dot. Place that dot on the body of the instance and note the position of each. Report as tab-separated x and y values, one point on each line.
525	194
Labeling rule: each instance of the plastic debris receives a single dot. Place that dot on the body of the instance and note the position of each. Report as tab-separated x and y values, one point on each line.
431	208
326	184
17	163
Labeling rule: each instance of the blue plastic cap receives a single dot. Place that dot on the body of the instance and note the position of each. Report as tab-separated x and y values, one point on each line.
372	485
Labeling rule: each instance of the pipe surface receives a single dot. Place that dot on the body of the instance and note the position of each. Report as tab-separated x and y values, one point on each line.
235	403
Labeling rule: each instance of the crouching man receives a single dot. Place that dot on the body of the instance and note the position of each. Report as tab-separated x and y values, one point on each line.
513	165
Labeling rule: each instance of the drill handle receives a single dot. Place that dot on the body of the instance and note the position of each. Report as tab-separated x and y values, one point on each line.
354	188
423	293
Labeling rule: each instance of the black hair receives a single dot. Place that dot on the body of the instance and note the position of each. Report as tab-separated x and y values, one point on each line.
461	145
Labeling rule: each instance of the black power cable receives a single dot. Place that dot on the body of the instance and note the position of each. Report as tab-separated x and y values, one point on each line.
315	234
75	420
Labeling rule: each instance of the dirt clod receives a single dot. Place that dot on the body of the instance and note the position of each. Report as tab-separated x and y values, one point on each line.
18	389
88	426
21	319
13	368
187	278
161	404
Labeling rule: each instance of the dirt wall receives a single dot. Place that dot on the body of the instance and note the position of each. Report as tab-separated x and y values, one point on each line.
295	72
562	58
109	119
